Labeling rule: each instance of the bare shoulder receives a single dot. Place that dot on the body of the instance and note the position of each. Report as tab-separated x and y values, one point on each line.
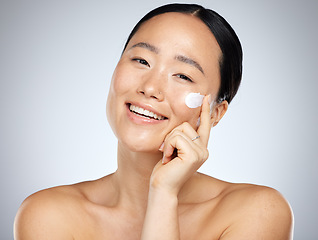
50	213
244	211
256	212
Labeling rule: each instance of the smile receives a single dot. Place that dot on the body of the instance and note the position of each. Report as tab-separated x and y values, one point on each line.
145	113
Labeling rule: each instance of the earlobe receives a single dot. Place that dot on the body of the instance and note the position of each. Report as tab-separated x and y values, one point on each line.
218	112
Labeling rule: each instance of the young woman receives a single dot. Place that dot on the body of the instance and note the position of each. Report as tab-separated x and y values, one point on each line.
180	68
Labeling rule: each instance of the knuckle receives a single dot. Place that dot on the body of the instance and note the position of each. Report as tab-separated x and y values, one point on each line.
186	124
175	132
205	154
176	136
172	134
196	159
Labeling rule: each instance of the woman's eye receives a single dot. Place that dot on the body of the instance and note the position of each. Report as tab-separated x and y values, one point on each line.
184	77
141	61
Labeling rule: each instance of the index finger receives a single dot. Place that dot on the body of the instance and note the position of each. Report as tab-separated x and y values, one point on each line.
205	121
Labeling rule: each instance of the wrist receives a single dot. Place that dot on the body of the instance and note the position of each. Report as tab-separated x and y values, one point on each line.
161	187
162	196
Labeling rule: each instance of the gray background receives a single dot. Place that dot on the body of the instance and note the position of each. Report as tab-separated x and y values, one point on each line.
57	59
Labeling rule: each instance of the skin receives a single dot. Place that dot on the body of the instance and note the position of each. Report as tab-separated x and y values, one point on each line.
156	192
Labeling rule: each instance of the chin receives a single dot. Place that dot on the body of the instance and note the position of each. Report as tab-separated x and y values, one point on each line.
140	145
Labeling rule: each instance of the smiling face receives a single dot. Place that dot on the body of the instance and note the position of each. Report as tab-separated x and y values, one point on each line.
170	56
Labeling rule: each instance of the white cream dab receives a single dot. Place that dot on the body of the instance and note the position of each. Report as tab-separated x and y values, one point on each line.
194	100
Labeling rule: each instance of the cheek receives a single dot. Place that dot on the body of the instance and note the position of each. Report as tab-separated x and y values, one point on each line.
120	81
118	88
113	91
182	112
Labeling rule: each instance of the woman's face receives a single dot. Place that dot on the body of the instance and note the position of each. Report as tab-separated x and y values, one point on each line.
170	56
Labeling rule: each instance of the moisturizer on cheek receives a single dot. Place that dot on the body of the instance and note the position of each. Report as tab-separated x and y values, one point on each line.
194	100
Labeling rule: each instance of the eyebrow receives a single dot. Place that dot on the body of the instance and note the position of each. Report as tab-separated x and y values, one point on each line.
180	58
146	46
190	61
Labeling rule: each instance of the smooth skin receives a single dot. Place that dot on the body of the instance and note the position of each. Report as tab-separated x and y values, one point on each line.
156	192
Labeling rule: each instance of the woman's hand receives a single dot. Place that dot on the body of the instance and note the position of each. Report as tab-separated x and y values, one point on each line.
182	154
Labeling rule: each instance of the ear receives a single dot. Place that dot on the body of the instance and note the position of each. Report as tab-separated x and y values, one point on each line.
218	112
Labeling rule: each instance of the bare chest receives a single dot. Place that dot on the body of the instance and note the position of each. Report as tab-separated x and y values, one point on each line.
195	224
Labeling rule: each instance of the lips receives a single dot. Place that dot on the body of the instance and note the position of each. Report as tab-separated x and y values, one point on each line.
145	113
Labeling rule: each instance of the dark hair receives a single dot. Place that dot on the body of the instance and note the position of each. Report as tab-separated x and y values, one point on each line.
231	60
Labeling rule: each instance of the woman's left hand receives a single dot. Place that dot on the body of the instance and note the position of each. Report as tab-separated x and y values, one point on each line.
183	153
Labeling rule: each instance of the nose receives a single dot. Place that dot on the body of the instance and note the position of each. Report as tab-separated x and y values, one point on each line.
152	87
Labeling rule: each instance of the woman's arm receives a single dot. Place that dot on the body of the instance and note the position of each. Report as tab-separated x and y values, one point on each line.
168	177
161	221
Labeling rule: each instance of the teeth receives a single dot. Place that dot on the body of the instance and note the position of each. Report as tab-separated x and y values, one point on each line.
145	112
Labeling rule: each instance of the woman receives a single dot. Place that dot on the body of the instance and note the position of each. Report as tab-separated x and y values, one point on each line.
180	68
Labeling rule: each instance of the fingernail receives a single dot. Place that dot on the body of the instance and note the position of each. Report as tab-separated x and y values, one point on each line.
210	99
211	104
198	122
161	146
163	158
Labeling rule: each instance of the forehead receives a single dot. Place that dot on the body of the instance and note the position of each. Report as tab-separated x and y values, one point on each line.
179	33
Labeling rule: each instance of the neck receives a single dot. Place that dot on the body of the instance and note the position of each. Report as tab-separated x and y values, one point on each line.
132	181
133	175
